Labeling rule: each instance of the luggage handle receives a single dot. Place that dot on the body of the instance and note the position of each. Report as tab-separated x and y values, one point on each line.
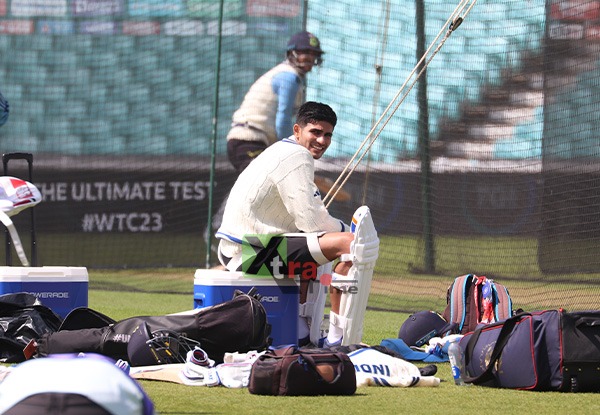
507	328
588	321
16	156
313	363
6	157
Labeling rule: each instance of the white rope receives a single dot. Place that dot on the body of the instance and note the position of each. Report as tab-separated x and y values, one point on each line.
452	24
379	59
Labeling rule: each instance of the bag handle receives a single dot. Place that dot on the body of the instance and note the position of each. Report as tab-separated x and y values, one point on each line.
281	351
588	320
507	328
313	363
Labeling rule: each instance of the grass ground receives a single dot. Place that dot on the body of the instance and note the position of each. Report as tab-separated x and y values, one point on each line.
400	282
122	294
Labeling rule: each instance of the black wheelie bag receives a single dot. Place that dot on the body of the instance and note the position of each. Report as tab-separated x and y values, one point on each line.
550	350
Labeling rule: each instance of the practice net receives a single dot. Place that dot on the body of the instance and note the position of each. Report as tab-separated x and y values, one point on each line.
490	165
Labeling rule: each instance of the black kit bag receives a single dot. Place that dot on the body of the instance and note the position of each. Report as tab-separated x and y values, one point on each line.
23	319
549	350
237	325
290	371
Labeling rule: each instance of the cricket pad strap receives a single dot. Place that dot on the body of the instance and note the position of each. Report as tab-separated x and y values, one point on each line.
314	308
363	253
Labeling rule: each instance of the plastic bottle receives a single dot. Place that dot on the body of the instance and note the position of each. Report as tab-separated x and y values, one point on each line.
455	355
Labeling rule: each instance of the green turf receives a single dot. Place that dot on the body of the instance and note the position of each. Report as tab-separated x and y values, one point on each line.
143	292
401	282
498	256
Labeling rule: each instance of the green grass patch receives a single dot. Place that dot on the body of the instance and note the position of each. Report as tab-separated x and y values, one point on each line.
166	291
156	292
128	293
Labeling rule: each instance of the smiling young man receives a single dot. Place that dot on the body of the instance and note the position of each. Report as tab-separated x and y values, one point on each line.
276	209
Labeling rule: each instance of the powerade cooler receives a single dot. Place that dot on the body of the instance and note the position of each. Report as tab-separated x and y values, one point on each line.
60	288
280	298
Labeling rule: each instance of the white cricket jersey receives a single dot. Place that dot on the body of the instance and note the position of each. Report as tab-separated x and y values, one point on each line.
374	368
275	194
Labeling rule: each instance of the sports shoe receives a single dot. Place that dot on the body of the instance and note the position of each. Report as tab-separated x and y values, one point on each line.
325	344
305	341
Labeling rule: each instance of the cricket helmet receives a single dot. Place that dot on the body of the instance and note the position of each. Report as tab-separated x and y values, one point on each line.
17	194
420	327
304	41
162	346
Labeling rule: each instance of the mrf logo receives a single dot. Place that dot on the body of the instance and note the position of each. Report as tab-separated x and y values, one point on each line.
266	256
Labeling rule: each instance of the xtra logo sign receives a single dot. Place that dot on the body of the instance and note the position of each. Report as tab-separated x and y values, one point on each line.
267	256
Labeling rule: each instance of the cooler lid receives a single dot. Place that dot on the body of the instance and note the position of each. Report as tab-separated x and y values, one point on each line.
43	274
228	278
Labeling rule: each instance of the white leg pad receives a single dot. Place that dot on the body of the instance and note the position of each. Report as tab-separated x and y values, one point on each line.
338	321
313	310
356	286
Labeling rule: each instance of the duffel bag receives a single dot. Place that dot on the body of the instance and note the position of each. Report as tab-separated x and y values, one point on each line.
302	372
236	325
549	350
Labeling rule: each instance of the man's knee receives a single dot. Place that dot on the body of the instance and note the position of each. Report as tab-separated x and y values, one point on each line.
335	244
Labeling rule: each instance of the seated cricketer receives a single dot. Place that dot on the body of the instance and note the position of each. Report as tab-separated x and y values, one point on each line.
275	209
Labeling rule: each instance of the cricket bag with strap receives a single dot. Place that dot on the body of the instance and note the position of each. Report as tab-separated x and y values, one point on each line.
237	325
302	372
474	300
550	350
22	319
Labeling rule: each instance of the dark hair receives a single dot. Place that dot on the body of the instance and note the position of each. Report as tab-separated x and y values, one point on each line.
311	112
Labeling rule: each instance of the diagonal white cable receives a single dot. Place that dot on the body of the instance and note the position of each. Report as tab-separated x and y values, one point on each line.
453	22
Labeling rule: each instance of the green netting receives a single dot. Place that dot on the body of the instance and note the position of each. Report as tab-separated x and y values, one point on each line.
489	165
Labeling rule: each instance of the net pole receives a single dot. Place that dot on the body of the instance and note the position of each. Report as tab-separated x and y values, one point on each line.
423	138
213	152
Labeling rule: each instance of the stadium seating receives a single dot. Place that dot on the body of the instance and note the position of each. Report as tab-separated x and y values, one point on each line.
110	86
526	140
